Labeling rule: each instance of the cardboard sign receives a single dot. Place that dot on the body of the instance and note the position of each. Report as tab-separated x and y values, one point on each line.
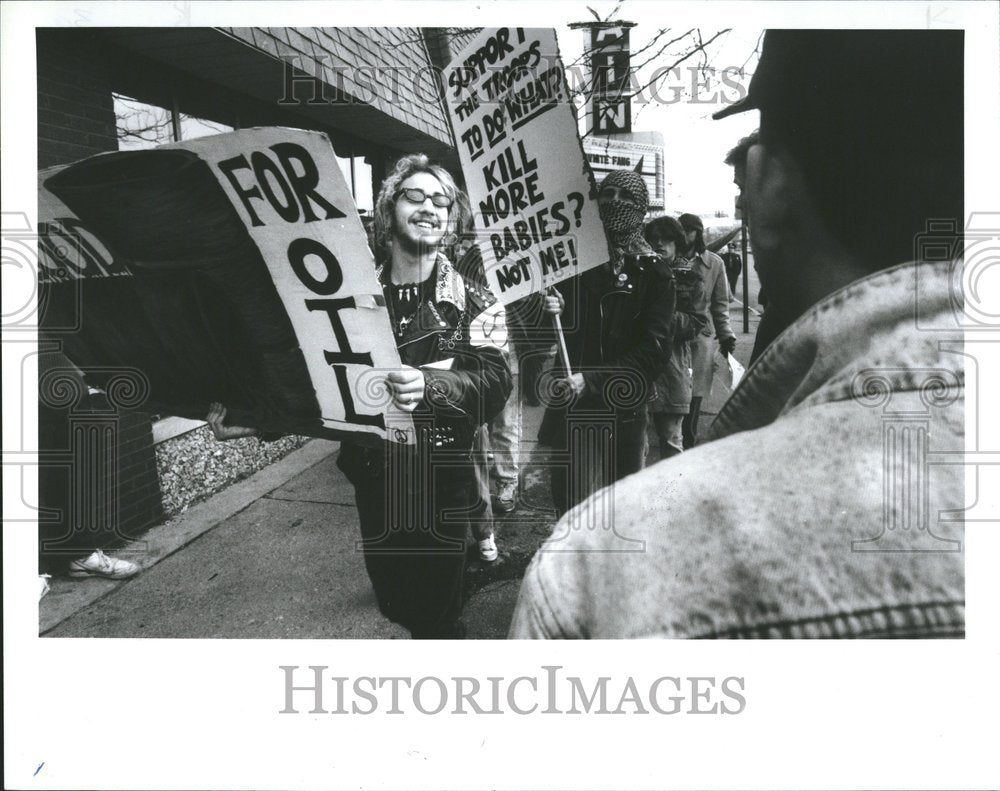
258	230
532	194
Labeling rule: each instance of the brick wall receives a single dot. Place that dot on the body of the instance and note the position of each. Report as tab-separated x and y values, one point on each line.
76	116
336	53
75	120
97	478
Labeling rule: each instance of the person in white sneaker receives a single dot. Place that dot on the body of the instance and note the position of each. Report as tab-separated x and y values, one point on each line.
97	564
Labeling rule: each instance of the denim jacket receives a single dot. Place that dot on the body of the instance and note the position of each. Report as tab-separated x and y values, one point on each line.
826	503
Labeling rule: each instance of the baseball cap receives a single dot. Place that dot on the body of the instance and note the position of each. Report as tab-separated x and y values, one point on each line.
803	73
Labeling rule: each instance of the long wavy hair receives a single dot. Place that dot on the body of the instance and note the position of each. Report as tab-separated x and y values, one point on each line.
459	216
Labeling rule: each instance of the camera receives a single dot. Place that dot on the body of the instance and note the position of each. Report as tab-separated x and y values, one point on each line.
688	281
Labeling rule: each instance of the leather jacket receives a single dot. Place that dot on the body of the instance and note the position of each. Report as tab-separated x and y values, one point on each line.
460	326
619	328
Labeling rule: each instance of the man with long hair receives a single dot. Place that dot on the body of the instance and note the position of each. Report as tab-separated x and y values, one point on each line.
414	502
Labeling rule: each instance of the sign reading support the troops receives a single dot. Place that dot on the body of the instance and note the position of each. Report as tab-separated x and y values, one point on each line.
247	280
532	195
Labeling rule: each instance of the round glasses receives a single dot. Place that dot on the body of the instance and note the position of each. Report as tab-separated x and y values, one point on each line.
418	196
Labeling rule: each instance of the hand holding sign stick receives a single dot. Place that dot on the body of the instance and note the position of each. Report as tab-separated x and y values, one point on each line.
553	306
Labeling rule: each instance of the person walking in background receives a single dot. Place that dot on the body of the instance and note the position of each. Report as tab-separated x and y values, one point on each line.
673	387
733	262
525	318
497	450
714	307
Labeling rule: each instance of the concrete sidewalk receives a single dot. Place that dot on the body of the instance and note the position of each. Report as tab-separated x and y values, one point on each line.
275	556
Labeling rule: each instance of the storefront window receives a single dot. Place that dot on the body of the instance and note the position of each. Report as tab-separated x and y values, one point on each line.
345	168
358	175
141	125
192	127
363	196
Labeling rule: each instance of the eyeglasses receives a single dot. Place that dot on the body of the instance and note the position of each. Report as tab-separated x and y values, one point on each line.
418	196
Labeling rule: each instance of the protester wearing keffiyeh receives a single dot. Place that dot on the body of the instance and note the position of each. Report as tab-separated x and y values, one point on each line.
623	219
618	321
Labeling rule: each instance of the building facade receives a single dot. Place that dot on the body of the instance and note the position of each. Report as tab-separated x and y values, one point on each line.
640	151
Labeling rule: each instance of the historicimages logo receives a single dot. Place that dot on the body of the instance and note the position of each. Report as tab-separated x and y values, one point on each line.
313	690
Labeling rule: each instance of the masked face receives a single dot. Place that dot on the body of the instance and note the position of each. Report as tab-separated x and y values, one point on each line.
619	211
622	202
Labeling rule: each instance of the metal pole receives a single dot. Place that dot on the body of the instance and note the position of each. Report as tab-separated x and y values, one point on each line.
746	285
564	353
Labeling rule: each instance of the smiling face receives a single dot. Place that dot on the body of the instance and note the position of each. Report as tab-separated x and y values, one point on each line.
420	225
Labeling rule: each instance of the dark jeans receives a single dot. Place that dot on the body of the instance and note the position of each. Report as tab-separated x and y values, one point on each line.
601	452
413	528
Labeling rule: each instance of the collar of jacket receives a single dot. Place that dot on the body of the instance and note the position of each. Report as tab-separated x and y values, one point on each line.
858	343
448	283
703	258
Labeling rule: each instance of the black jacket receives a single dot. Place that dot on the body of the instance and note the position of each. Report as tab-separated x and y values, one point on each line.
619	329
463	323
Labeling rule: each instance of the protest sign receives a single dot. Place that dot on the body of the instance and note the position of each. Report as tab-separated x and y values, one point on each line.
532	194
248	281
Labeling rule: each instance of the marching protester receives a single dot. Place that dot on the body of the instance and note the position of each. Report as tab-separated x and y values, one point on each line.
734	265
618	320
714	307
414	503
673	387
417	569
498	446
834	533
527	325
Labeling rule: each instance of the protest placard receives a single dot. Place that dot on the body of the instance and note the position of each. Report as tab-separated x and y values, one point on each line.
248	281
531	191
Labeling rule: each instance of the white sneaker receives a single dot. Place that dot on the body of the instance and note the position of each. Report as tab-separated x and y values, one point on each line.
43	585
488	549
97	564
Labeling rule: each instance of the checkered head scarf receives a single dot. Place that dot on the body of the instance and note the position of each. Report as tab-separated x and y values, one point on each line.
622	222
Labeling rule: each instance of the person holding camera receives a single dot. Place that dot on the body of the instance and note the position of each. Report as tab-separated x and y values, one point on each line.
618	321
714	306
673	387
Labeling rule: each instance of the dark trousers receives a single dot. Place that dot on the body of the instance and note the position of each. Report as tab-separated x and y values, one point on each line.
413	527
689	427
601	451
